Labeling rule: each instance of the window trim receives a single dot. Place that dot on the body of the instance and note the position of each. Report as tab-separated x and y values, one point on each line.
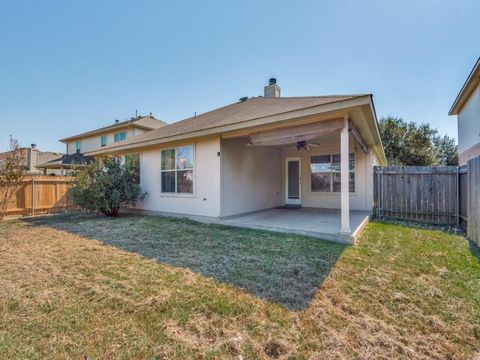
176	193
331	192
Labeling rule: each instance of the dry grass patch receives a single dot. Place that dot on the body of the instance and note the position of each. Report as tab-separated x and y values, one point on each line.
402	293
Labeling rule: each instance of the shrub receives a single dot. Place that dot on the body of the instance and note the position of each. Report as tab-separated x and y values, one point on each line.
108	186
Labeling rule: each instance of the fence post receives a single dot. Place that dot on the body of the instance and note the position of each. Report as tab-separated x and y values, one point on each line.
33	196
457	209
376	183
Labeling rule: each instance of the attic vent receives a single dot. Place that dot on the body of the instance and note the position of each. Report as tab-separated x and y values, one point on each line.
117	121
243	99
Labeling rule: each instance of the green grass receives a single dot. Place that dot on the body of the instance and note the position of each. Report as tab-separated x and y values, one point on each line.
154	287
280	267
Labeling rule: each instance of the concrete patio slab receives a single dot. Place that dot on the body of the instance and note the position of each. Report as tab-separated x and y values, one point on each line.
316	222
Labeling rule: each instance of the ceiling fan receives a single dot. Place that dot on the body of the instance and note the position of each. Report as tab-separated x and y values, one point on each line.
303	145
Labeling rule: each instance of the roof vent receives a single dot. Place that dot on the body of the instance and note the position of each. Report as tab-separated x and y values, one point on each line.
243	99
117	121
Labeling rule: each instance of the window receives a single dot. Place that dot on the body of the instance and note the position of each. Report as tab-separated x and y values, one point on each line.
177	170
78	146
120	136
103	140
325	173
132	162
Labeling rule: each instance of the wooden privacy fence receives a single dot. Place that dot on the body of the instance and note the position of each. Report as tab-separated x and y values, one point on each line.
41	195
428	194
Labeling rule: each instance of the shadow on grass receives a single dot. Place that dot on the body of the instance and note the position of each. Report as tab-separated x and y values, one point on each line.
284	268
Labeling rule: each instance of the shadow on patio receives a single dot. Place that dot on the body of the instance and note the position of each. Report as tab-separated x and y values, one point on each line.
284	268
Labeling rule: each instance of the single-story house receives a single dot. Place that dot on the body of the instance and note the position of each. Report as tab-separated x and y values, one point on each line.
467	108
266	153
66	164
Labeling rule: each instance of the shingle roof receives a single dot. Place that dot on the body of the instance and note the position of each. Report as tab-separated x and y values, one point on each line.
253	108
145	122
67	161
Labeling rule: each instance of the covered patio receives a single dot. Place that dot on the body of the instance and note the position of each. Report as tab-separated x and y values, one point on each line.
316	222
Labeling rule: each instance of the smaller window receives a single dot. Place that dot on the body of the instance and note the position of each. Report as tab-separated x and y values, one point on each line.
78	146
120	136
103	141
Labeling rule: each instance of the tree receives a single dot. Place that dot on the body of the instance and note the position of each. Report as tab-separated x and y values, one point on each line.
416	145
446	150
12	170
108	186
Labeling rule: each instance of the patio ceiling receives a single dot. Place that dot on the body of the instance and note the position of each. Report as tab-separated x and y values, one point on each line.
295	134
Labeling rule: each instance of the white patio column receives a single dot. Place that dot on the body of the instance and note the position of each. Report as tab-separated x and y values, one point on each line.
344	178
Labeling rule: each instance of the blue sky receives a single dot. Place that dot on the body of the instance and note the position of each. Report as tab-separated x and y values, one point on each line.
68	67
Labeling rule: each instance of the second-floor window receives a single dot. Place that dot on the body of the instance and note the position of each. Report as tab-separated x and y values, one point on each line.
78	147
103	140
120	136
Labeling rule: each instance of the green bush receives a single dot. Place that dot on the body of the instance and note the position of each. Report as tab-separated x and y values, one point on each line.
108	185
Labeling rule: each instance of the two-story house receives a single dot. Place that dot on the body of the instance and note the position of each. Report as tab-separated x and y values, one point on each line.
467	109
117	132
94	140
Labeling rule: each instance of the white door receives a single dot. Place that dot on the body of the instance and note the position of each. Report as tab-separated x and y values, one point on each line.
293	182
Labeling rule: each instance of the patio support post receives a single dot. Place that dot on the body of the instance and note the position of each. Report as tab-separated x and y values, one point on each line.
344	178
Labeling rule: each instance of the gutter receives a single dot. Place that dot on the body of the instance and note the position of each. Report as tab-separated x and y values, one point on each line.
309	111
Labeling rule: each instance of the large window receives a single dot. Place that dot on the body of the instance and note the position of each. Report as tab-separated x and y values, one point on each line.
325	173
177	170
119	136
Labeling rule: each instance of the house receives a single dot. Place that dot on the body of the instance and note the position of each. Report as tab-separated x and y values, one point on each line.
118	132
268	153
112	134
32	158
467	108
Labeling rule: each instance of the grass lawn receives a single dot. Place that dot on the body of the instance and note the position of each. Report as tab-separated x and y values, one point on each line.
153	287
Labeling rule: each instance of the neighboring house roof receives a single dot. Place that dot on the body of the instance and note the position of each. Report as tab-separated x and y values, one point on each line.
240	114
473	80
142	122
43	156
67	161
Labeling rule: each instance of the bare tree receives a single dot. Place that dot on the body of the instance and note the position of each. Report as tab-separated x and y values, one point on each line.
12	170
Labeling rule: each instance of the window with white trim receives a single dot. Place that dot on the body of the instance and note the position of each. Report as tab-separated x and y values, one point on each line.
103	140
119	136
325	173
177	170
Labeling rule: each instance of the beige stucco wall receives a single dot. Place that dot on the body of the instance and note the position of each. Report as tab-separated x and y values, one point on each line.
252	177
205	200
94	142
469	124
361	199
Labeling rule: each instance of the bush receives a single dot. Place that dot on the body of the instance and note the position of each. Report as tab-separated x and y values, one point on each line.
108	186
